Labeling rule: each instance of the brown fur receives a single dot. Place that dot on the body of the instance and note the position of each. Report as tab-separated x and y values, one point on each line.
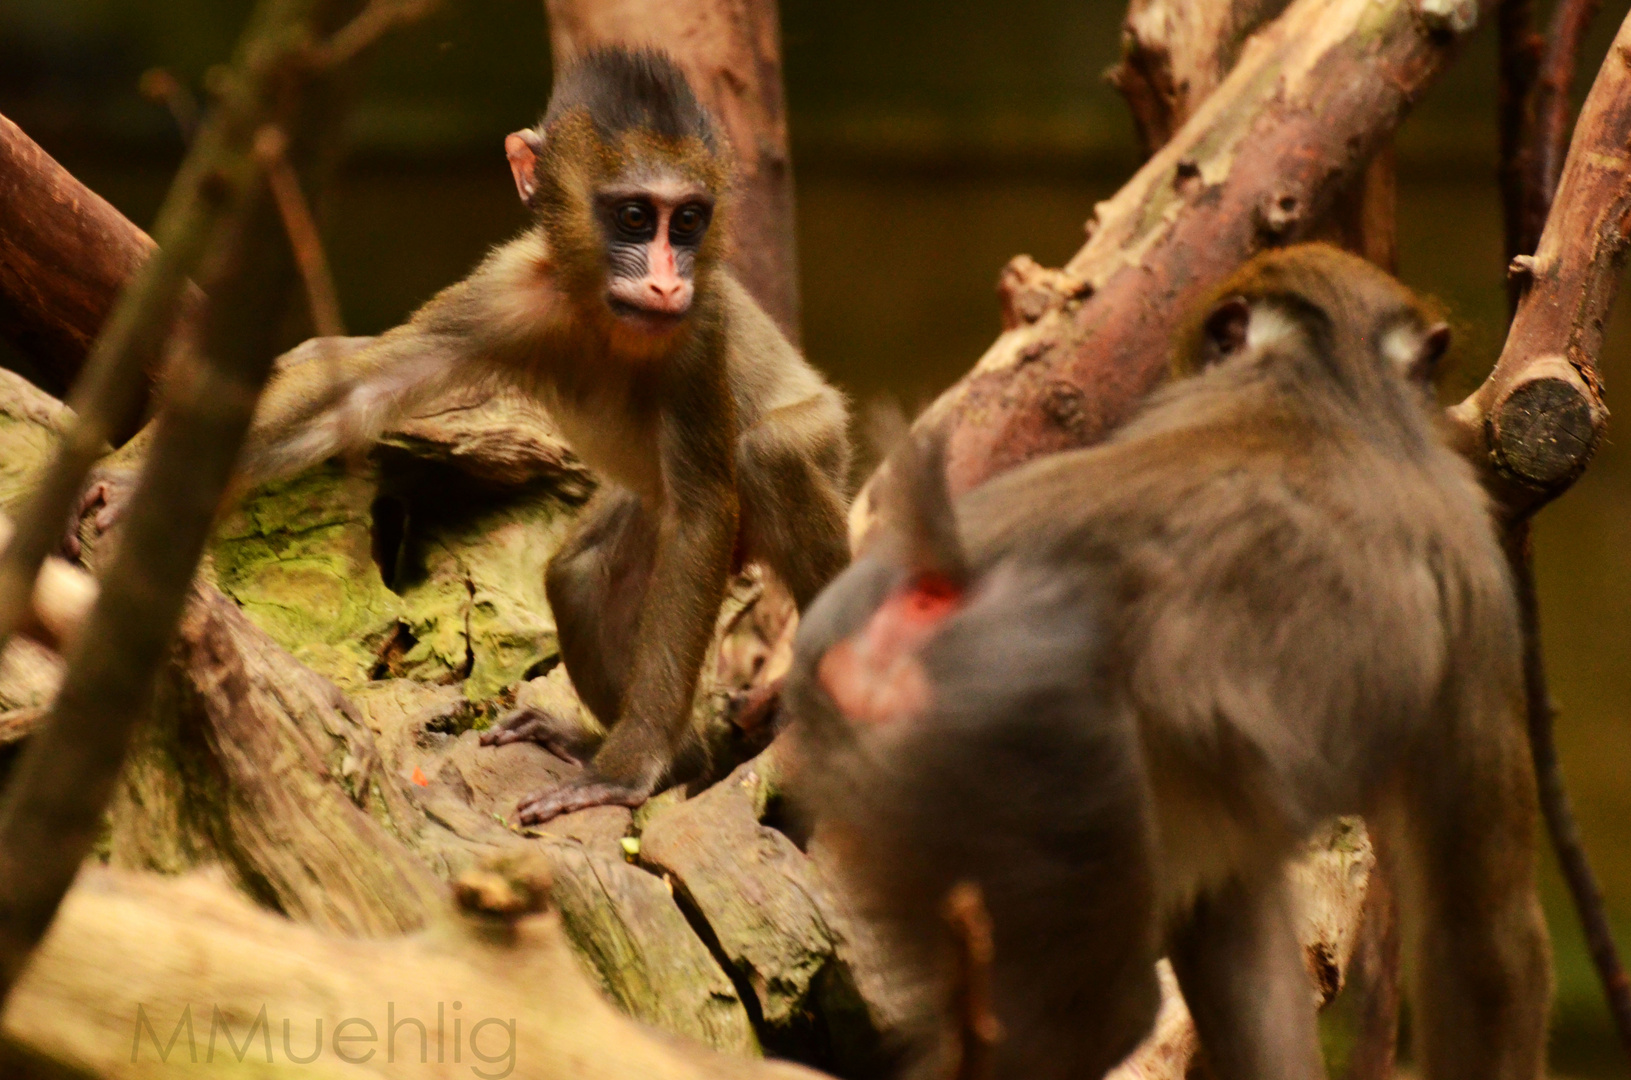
706	427
1275	596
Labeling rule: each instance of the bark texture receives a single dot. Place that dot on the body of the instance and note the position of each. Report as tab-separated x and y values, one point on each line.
1259	163
134	960
1174	53
731	52
315	744
64	255
1535	422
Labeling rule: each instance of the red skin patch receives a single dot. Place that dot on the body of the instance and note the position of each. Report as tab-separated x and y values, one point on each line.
873	675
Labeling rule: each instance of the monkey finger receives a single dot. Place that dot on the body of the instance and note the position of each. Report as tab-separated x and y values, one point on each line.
108	497
751	709
583	795
529	724
91	499
519	725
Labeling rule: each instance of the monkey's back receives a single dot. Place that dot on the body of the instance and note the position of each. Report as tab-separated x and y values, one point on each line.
1285	585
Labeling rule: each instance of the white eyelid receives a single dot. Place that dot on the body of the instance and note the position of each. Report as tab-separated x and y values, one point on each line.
1402	347
1267	327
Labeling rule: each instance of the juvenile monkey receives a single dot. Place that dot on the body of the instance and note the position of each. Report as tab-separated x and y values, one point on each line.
1117	687
716	441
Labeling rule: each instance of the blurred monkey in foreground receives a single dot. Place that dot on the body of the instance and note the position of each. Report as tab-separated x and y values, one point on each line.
716	442
1116	687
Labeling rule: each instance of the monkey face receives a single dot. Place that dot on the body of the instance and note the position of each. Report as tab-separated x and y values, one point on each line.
651	233
630	217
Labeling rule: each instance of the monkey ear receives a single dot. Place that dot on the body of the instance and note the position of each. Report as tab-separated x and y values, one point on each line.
522	148
1225	328
1434	344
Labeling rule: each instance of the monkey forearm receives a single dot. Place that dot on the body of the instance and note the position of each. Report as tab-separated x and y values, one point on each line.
344	401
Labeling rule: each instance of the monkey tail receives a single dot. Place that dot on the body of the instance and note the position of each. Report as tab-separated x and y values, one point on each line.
914	499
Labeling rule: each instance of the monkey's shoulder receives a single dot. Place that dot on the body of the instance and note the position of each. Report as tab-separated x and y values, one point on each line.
766	370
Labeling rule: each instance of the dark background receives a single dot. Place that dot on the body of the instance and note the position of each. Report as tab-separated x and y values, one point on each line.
932	141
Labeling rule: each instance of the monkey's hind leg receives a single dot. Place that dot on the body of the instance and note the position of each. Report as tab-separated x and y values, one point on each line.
1482	962
595	585
1241	972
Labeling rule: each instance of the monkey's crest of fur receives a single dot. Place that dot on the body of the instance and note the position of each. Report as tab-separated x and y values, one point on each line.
623	114
626	90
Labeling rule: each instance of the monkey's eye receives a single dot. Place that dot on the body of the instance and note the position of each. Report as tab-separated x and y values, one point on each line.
688	222
634	217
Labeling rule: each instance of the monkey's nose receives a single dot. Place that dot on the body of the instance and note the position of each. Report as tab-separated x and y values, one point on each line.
668	296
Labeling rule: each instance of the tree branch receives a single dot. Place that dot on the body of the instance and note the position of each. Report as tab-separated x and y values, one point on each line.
379	18
1535	422
1554	796
1312	97
1550	113
1519	54
1174	53
64	255
216	177
271	151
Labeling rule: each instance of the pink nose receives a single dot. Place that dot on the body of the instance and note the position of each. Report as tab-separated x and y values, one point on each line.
666	295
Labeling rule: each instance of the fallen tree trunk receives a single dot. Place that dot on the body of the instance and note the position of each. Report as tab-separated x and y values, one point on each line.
142	977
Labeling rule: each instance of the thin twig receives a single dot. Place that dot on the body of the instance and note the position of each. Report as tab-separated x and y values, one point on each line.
1555	804
271	151
1567	266
162	88
1519	54
1549	113
978	1030
376	20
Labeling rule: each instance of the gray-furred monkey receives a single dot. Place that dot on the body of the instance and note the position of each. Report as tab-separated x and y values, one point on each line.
716	441
1116	687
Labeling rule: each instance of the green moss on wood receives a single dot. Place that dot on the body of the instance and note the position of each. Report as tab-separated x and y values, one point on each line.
296	556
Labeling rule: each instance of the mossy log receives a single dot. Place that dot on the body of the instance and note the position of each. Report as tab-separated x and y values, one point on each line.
316	739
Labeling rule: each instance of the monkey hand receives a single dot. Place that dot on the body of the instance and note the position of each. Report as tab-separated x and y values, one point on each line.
587	789
757	708
560	737
104	502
